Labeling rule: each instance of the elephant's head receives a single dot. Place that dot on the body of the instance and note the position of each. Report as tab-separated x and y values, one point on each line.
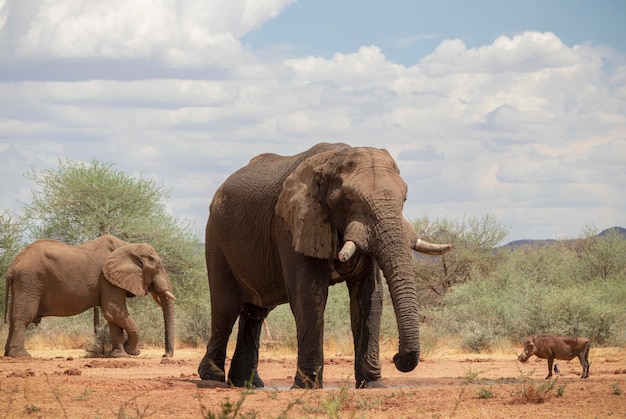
137	268
349	202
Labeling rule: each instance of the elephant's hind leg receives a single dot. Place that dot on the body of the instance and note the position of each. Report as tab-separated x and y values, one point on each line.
22	314
243	368
14	346
225	306
213	363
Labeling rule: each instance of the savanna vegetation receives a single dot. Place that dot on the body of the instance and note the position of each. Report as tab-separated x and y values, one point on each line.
477	297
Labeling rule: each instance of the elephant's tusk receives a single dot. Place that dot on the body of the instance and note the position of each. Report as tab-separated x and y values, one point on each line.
169	295
347	251
430	248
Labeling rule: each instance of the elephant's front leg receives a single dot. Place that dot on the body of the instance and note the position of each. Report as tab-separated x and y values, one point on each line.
117	325
366	304
308	292
117	341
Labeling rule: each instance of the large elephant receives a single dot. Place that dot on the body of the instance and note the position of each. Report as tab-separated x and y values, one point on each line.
283	229
51	278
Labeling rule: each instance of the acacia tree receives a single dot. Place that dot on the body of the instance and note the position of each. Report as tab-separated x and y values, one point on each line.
474	253
82	201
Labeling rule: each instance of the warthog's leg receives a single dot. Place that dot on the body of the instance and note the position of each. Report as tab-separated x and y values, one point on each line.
550	362
583	357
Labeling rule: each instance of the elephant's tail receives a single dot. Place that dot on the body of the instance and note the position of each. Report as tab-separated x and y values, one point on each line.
8	282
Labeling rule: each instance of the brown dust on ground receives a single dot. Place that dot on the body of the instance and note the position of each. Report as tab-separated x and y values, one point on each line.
63	383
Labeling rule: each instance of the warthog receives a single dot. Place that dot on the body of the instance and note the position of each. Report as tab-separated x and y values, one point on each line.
557	347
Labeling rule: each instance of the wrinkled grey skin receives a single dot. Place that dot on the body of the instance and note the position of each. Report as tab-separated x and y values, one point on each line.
51	278
276	234
557	347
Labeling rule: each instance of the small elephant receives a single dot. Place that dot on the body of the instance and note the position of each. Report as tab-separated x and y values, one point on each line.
282	230
51	278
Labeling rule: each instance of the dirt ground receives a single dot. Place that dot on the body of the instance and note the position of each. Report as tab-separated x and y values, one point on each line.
63	383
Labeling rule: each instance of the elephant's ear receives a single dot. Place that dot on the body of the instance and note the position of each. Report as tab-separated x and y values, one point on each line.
123	269
299	205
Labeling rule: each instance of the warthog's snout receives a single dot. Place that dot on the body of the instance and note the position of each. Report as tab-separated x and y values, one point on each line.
523	357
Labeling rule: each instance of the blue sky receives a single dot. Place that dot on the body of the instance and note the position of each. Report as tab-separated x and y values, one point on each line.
515	109
407	30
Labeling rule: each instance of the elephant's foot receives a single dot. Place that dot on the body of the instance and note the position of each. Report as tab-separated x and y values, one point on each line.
308	381
122	351
207	370
133	351
251	380
17	352
379	383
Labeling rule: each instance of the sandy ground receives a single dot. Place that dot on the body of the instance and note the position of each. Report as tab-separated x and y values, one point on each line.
63	383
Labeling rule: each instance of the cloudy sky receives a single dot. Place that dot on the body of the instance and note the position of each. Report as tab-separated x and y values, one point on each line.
516	109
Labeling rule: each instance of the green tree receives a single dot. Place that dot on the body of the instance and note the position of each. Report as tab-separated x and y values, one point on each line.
79	202
603	256
474	242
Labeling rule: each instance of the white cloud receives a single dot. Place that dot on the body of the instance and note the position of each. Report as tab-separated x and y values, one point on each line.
527	52
180	33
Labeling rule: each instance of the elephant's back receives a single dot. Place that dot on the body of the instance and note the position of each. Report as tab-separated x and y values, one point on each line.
37	254
262	178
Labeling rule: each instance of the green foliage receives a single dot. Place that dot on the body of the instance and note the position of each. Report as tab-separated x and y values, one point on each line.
11	231
538	289
602	256
78	202
10	244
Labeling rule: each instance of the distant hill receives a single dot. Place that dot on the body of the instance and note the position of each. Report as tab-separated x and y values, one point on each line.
519	243
620	230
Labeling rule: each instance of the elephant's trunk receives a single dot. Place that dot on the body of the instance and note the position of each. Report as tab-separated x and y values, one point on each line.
395	261
167	304
391	246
